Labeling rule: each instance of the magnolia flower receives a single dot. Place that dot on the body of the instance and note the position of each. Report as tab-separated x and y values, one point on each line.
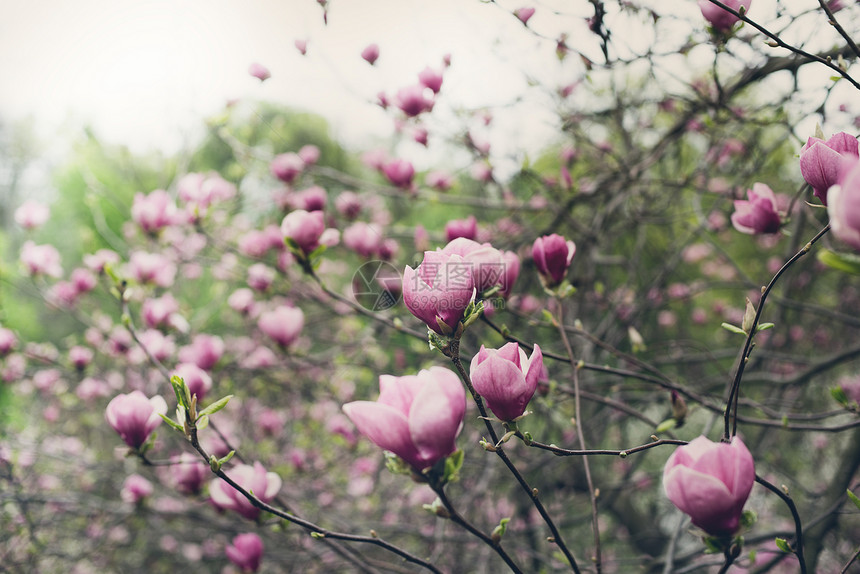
287	166
153	212
430	78
41	259
135	488
844	207
552	256
416	417
506	378
196	379
204	351
710	482
32	214
758	214
822	162
246	551
413	101
283	325
370	53
253	479
439	290
134	416
259	71
399	172
467	228
524	14
486	262
721	20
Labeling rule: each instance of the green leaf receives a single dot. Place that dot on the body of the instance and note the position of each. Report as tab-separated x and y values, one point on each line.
783	545
847	262
499	530
838	393
180	389
395	464
666	425
854	498
226	457
748	518
764	326
732	329
202	422
452	467
215	407
172	423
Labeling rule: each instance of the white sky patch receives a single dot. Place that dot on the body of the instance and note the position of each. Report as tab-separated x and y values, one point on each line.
145	73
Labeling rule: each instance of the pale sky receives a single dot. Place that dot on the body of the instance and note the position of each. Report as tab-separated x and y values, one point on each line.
144	73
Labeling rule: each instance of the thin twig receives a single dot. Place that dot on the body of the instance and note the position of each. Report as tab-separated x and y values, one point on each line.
798	536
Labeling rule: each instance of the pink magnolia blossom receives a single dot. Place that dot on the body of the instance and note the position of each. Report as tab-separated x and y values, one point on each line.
439	290
63	294
196	379
200	190
41	259
552	255
363	238
511	270
204	351
416	417
348	204
153	212
439	180
151	268
254	479
413	101
399	172
287	166
485	261
32	214
96	261
506	378
420	135
524	14
844	207
721	20
301	46
310	154
304	228
157	311
83	280
710	482
246	552
80	356
467	228
261	276
8	341
159	346
135	488
313	198
759	213
283	324
259	71
188	473
242	301
822	162
134	416
370	53
430	78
